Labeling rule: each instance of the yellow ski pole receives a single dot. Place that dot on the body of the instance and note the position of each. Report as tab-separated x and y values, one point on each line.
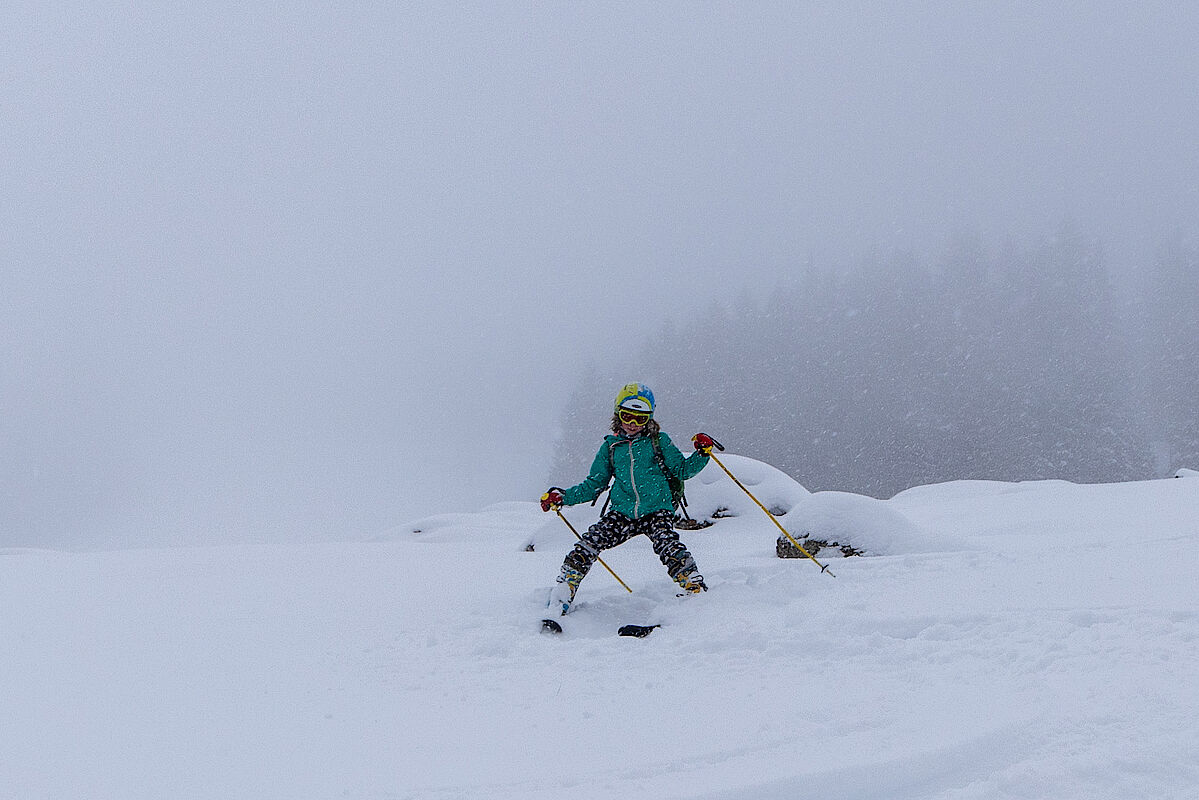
773	518
597	558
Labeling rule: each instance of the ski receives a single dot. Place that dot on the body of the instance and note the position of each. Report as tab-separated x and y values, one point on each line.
639	631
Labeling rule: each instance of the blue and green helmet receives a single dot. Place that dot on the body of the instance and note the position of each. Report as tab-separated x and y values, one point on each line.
635	397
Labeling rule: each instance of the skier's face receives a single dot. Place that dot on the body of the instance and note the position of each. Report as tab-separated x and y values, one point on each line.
633	423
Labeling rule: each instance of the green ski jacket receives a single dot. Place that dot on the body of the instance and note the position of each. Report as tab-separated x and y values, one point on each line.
640	487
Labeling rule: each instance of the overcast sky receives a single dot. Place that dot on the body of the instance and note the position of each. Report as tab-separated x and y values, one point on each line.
310	269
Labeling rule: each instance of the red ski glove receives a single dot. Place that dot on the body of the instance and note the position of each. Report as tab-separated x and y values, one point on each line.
551	499
703	443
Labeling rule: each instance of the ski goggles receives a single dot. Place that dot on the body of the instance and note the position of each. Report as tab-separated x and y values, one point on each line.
633	417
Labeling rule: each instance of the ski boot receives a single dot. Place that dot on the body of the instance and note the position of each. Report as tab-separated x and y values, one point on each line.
691	583
563	593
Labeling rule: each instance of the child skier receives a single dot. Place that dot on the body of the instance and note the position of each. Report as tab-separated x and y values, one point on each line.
641	460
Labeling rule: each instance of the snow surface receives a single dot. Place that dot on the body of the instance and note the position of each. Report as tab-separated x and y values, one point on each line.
1030	640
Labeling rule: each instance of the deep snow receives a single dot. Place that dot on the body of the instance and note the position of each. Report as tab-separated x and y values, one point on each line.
1031	640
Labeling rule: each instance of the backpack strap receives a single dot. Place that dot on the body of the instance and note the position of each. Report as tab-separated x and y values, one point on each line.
676	483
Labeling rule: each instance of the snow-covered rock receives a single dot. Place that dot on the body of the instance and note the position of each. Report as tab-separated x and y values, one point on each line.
867	525
713	492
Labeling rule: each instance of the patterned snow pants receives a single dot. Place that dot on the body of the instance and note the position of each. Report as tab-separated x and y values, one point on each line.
614	529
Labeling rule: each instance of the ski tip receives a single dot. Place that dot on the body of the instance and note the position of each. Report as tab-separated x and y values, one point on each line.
640	631
550	626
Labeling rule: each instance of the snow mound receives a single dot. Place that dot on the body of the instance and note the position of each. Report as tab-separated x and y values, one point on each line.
1186	473
503	523
712	490
863	522
967	490
954	490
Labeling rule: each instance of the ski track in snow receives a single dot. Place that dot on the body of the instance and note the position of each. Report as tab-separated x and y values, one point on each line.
1039	641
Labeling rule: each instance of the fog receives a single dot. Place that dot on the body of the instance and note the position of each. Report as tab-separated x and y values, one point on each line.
307	271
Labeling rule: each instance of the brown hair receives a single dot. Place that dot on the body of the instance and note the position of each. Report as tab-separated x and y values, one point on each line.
651	428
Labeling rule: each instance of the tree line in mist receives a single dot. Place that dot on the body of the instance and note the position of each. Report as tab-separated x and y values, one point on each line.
1024	364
